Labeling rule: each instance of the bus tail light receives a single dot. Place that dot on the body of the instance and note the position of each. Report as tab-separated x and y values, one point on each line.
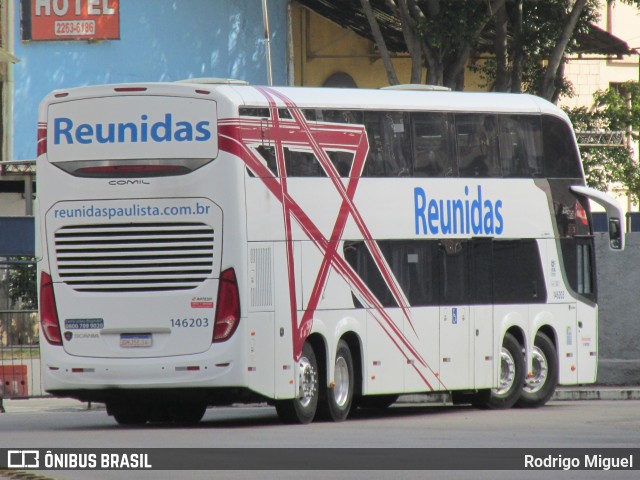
228	307
115	171
41	145
136	168
48	311
581	213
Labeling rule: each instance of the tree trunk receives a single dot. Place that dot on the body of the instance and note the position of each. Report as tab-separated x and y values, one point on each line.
518	51
559	76
500	48
409	30
555	60
432	58
382	46
454	70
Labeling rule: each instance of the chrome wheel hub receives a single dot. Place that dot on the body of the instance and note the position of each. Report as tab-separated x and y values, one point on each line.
307	381
539	371
507	372
341	388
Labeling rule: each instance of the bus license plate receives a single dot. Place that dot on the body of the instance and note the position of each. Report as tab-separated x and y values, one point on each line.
136	340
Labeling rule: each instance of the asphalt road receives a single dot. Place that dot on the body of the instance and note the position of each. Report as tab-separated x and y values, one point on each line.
46	424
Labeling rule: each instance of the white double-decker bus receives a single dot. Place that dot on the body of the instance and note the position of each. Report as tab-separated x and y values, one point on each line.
320	249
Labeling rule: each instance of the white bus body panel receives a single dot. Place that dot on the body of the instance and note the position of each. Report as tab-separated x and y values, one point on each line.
412	349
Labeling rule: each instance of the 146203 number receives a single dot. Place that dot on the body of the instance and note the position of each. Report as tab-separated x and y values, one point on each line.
189	322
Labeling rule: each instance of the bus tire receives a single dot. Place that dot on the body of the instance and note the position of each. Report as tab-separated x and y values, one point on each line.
512	375
129	414
302	408
337	400
539	388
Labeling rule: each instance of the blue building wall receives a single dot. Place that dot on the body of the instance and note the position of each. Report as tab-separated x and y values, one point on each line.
160	40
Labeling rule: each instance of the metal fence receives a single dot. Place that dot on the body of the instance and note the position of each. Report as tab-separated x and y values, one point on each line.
19	329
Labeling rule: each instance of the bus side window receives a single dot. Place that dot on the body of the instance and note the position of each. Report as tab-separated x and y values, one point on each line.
341	116
389	144
414	265
302	164
432	149
517	272
477	138
521	151
357	254
342	161
579	264
453	272
262	112
481	271
561	159
269	156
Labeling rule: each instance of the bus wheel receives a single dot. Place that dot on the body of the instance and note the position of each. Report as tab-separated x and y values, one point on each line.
339	398
512	374
302	408
539	387
129	414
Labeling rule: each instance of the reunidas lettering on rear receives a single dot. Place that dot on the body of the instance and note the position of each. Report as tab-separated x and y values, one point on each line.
66	131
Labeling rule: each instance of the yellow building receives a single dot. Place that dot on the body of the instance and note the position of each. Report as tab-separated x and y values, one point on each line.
589	73
327	54
330	46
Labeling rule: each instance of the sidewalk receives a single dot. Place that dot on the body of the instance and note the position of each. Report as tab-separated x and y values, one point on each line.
47	404
593	392
52	404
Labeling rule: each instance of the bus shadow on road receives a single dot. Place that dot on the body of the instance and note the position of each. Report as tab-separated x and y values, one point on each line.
266	416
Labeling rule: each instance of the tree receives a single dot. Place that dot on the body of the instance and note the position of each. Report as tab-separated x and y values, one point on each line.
531	45
20	327
22	283
527	39
614	110
440	35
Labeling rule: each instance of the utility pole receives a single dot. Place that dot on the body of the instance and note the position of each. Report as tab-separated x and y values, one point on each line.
267	41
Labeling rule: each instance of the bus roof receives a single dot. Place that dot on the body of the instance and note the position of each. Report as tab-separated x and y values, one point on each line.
383	99
327	98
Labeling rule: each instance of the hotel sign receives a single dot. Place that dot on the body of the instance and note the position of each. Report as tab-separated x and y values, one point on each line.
65	20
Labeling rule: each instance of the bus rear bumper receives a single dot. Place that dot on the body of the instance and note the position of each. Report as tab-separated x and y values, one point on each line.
87	374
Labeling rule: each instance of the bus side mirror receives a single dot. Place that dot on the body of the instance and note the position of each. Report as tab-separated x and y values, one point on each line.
615	234
614	213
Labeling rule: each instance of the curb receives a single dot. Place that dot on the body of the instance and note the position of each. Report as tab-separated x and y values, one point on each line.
561	394
600	393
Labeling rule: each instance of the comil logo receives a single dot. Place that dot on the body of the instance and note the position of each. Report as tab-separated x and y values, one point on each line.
23	459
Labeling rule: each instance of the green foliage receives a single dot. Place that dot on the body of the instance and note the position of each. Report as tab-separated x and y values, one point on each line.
22	284
541	28
619	106
611	112
451	26
19	325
